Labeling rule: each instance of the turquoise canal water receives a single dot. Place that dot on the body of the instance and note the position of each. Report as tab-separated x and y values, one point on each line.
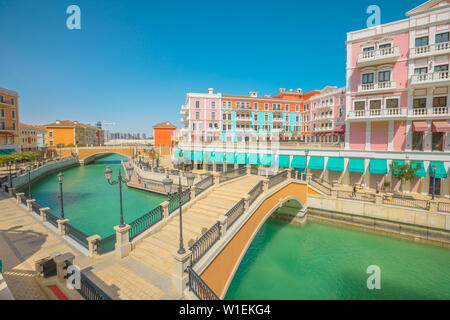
90	203
322	261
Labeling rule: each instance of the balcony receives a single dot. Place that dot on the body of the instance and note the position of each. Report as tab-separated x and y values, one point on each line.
321	106
379	56
7	104
323	129
324	117
184	120
3	128
184	110
432	78
388	113
244	118
430	50
376	87
437	112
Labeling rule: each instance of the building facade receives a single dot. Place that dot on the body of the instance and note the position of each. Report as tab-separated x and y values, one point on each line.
164	134
28	137
9	121
73	133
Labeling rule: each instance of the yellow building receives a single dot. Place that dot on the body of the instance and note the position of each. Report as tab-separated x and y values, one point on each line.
72	133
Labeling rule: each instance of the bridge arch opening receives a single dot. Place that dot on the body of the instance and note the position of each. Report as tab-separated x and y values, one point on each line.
99	155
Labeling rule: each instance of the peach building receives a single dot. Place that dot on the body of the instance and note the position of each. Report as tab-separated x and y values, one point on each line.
164	134
73	133
9	121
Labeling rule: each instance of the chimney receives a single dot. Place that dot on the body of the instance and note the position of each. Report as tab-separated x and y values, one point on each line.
253	94
282	90
210	91
58	121
298	90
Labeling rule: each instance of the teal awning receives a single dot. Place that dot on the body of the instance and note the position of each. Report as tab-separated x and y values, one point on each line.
219	157
190	155
208	156
253	158
397	164
177	153
230	158
266	160
440	173
356	165
421	171
335	164
241	158
198	156
316	163
7	152
284	161
378	166
298	162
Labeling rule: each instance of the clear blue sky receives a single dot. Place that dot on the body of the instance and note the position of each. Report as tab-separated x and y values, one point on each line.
133	61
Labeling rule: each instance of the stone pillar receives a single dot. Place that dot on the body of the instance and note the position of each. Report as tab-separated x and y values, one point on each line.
29	203
192	192
44	214
214	167
61	226
61	270
265	184
246	202
249	169
92	245
368	134
290	173
308	178
378	198
433	206
18	196
334	193
123	244
165	209
10	191
180	277
216	178
223	220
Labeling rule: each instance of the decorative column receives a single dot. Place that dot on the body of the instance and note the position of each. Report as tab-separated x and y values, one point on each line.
408	136
44	214
390	135
18	196
165	209
61	226
368	134
378	198
334	193
29	203
180	277
123	244
92	245
192	192
290	173
427	147
216	176
11	190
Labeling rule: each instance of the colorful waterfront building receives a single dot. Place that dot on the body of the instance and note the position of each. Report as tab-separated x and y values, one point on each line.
73	133
28	137
397	95
164	134
9	121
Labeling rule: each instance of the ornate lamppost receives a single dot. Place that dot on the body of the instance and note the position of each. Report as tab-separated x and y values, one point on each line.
29	182
60	179
10	173
167	182
120	179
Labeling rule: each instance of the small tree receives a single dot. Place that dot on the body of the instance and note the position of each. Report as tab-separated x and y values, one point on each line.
404	172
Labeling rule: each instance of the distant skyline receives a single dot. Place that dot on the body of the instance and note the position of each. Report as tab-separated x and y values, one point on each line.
133	62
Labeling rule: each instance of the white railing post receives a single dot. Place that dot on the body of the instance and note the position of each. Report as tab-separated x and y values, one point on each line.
123	244
44	214
18	196
29	204
61	226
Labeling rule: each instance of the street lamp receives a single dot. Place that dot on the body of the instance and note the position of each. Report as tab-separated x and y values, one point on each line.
120	179
29	182
60	179
434	181
10	173
167	182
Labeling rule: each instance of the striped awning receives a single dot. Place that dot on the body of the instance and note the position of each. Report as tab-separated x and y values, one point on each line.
441	126
420	126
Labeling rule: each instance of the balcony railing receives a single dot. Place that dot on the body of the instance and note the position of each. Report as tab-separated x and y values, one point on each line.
278	119
4	128
379	55
323	129
423	112
377	86
433	77
389	112
431	49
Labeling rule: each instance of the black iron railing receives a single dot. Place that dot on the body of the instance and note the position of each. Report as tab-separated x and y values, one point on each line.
204	184
206	241
235	213
145	222
255	192
278	178
23	200
199	287
360	196
88	289
174	200
405	202
254	171
107	244
36	208
51	218
233	174
319	184
77	235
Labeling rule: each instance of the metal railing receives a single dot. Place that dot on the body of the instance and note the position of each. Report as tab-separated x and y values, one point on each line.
204	184
229	175
88	289
297	175
444	207
107	244
405	202
174	200
23	200
36	208
199	287
235	213
319	184
254	171
51	218
145	222
277	179
77	235
365	197
206	241
255	192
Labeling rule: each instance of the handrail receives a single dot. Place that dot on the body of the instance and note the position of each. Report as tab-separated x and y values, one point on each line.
204	184
234	213
201	290
145	222
174	199
107	244
278	178
77	235
255	192
206	241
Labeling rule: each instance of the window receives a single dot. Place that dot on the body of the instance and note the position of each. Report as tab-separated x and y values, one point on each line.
2	113
420	103
213	104
224	104
224	116
238	104
266	117
256	117
391	103
229	104
384	76
297	108
442	67
2	99
360	105
12	101
421	70
197	115
50	134
287	107
13	114
439	102
442	37
14	126
197	104
213	116
437	140
224	127
266	106
51	143
367	78
368	49
255	105
417	141
421	42
384	46
375	104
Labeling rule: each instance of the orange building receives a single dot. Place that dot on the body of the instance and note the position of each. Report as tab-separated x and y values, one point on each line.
73	133
164	134
9	121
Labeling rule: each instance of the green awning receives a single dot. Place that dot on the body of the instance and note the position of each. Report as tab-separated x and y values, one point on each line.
241	158
8	151
335	164
219	157
440	170
208	156
378	166
253	158
177	153
190	155
198	155
316	163
266	160
420	172
356	165
298	163
283	161
230	158
397	164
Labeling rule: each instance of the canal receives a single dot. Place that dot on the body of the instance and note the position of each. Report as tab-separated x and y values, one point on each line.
323	261
90	203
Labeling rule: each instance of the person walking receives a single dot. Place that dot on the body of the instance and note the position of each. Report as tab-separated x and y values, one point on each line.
378	187
354	191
